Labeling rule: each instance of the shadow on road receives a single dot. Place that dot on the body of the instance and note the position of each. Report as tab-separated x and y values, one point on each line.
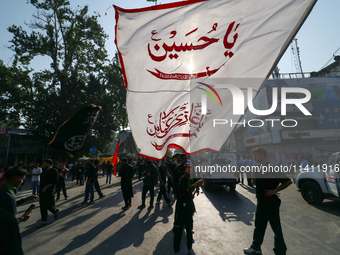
248	188
232	206
165	246
133	232
91	234
331	207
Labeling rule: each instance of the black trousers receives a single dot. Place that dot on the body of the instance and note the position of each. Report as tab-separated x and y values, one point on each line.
248	176
169	185
97	187
269	212
61	185
182	219
80	179
162	192
43	210
147	188
127	200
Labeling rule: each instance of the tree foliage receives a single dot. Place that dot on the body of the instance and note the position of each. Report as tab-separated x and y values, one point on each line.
79	73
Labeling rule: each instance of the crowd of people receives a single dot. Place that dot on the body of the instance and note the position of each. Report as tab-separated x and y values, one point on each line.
171	174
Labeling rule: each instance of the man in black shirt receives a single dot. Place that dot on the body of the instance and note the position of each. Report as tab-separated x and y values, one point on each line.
185	209
80	173
61	180
89	189
150	178
162	173
9	189
48	180
268	205
179	172
109	168
96	182
171	170
10	239
126	174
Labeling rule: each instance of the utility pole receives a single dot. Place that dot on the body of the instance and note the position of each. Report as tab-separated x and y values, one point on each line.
296	53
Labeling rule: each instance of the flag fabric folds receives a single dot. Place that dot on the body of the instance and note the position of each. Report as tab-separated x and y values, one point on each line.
167	51
115	157
71	135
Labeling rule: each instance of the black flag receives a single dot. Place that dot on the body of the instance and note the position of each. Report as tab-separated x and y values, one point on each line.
71	135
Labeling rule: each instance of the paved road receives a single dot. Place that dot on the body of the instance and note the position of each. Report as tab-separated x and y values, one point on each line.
223	225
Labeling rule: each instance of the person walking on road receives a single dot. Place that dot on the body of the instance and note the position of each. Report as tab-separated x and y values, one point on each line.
162	173
185	209
36	172
246	164
150	179
109	168
96	182
89	189
179	172
61	181
48	181
126	174
80	168
239	162
268	205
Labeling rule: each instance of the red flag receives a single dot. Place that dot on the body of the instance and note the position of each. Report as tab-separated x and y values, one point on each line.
114	159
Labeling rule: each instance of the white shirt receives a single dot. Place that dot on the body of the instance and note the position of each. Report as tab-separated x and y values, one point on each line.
36	171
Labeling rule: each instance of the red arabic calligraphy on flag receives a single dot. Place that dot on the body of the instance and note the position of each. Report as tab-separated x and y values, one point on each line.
160	53
163	49
182	115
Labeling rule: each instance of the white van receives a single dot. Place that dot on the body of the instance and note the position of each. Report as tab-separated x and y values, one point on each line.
322	182
218	169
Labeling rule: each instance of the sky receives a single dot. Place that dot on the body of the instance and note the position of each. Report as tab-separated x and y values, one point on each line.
318	38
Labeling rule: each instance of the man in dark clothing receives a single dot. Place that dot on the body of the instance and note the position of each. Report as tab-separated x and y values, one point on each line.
48	180
61	180
268	205
162	173
109	168
150	179
96	182
10	239
90	178
185	209
80	173
103	167
8	191
171	170
179	172
140	167
126	174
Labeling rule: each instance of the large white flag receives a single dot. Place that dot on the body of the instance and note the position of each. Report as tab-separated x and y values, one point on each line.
168	51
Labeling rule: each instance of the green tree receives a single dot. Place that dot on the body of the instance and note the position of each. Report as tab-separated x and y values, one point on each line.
80	72
13	94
